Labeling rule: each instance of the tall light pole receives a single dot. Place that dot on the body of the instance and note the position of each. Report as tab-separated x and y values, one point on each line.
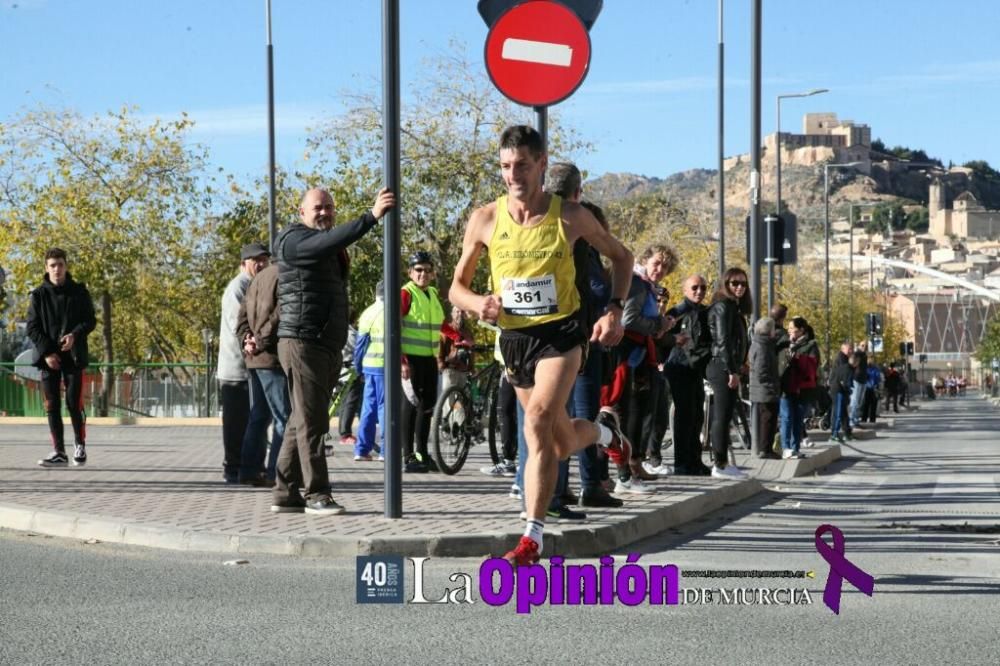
755	80
272	223
826	217
850	261
777	163
722	156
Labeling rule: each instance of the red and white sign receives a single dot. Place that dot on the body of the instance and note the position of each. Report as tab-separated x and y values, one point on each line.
538	53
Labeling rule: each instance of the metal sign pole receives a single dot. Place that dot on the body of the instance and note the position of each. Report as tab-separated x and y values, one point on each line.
755	184
722	155
542	124
390	263
272	220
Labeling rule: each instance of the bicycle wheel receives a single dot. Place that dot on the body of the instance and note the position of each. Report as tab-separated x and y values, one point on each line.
741	426
452	436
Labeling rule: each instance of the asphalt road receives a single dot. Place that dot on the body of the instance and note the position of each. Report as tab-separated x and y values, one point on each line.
909	504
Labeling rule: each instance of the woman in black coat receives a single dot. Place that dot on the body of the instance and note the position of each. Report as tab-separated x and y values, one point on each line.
727	322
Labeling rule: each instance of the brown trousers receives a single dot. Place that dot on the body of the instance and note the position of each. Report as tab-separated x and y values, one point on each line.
312	371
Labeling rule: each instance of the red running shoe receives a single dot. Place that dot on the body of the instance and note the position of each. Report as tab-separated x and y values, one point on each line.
620	449
525	553
348	440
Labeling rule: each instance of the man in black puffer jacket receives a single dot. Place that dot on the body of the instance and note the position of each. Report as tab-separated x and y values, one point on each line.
60	317
312	329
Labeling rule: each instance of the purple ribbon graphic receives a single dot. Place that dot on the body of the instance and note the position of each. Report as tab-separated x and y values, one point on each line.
840	568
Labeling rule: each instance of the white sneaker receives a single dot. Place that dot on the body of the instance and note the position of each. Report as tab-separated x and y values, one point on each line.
787	453
365	458
506	468
633	486
515	492
728	472
659	470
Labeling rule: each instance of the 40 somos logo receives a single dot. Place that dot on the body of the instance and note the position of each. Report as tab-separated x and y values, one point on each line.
497	583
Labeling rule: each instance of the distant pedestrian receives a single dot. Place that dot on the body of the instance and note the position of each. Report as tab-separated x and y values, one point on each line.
244	421
893	383
422	316
803	359
351	402
860	366
765	385
869	405
727	322
60	317
841	384
454	354
372	324
798	366
685	370
258	329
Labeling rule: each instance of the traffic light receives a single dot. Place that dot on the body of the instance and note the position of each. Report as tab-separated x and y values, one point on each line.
909	349
902	349
784	245
873	323
587	10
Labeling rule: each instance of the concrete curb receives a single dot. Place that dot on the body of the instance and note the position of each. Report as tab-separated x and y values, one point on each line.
117	421
583	541
818	459
130	420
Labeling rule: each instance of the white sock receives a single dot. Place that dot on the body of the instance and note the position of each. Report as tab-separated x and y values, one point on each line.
533	530
604	435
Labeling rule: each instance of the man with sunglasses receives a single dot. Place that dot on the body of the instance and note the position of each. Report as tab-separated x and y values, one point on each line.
685	370
422	316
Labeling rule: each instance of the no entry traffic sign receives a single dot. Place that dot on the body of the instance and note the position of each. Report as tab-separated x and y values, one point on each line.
538	53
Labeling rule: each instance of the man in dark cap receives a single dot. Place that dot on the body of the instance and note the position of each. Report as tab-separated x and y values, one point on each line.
234	389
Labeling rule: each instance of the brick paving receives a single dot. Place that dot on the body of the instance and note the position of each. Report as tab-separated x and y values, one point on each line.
171	477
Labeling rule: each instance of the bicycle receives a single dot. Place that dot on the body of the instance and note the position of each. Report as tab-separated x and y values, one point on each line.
348	375
462	413
740	427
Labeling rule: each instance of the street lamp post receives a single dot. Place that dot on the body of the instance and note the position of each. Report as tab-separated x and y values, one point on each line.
722	157
826	216
850	261
777	163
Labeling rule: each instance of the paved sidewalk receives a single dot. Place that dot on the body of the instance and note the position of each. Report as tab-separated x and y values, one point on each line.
162	487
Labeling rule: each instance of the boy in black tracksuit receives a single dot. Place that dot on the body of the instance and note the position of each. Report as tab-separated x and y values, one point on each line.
60	317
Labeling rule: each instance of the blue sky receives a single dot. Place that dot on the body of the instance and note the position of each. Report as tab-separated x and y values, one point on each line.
921	72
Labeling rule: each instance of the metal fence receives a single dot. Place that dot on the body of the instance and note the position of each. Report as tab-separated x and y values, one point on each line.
179	390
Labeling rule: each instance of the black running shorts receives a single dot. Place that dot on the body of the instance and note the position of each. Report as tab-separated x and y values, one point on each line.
523	348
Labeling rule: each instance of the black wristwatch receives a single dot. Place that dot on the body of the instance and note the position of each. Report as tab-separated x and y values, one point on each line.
619	302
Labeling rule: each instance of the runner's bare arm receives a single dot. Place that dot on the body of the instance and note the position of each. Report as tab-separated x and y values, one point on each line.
582	224
477	234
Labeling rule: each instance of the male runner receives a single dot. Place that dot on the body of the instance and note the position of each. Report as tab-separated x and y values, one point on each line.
529	236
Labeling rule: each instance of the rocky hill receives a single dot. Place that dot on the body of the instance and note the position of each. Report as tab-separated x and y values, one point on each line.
801	189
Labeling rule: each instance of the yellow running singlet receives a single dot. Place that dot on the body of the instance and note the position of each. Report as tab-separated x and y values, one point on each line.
533	268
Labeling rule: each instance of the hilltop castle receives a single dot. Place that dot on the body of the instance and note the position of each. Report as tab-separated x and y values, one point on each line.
962	216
